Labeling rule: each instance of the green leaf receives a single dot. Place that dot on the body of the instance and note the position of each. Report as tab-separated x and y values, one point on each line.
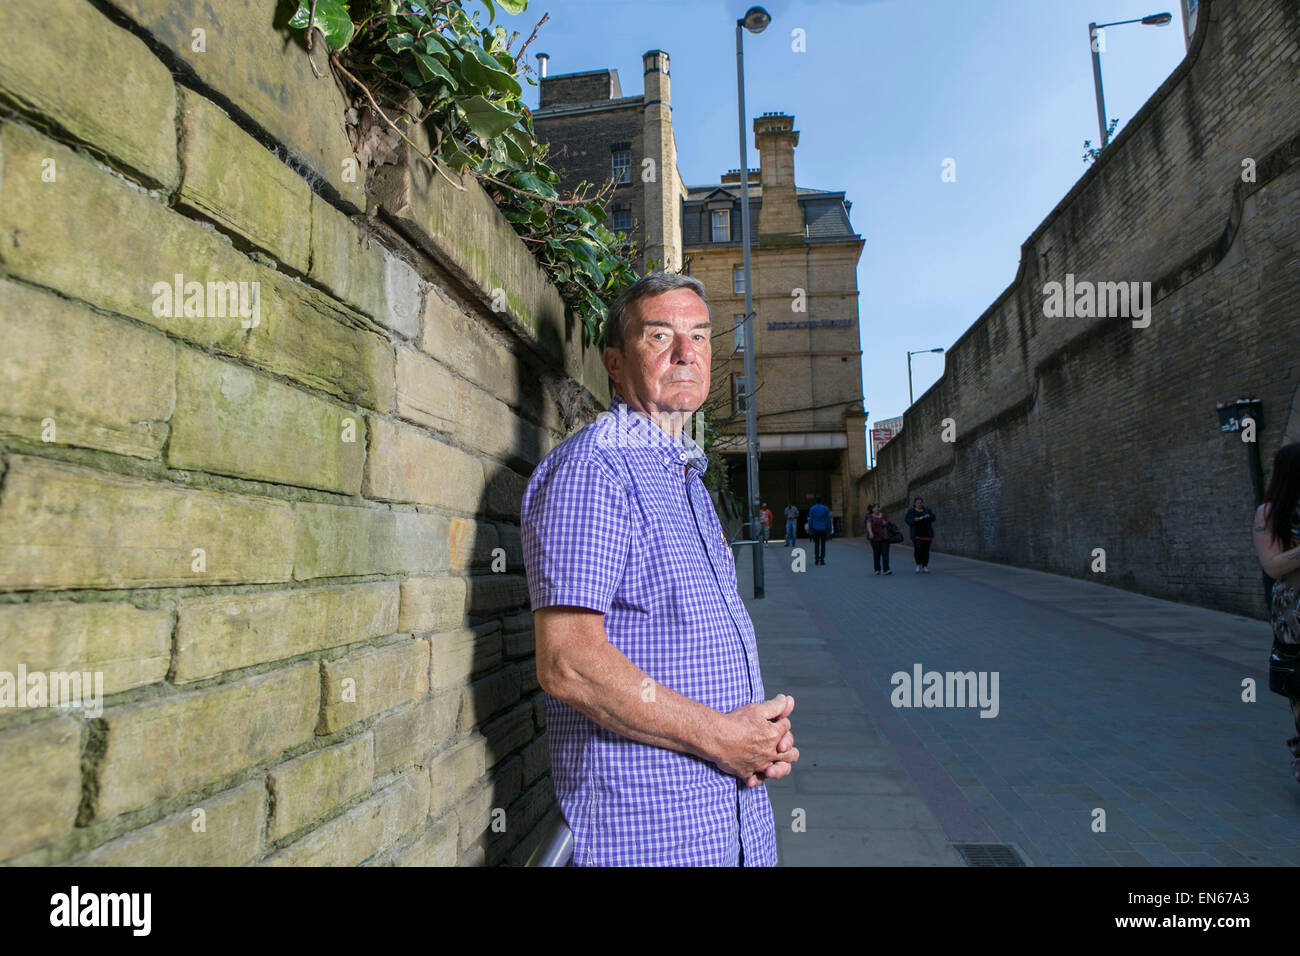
400	42
432	68
436	44
332	19
485	119
482	68
530	182
514	7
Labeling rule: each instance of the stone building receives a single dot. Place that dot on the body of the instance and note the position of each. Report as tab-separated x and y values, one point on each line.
595	133
807	360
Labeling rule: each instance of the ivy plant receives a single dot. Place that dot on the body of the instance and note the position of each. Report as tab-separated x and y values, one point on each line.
438	64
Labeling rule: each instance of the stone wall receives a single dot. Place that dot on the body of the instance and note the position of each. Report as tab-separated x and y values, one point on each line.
1077	434
282	529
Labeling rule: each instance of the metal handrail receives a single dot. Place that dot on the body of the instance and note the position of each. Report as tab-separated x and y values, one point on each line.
556	848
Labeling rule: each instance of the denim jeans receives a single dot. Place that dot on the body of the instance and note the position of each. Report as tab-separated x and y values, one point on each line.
790	531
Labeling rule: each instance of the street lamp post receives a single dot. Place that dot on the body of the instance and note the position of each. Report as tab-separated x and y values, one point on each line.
910	400
755	20
1155	20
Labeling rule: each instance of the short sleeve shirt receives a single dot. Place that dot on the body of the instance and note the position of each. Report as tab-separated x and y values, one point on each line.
617	519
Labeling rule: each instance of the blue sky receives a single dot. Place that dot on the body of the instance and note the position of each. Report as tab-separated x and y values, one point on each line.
885	92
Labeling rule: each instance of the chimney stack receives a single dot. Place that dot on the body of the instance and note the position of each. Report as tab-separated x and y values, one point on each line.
542	60
780	220
659	177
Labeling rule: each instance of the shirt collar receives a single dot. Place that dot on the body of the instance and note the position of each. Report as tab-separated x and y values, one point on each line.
634	429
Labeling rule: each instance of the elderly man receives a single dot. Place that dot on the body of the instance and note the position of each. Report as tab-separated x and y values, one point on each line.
660	735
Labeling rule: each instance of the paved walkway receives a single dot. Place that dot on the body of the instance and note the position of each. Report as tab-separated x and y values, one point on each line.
1107	699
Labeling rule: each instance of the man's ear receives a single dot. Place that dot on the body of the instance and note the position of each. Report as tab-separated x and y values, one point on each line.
613	361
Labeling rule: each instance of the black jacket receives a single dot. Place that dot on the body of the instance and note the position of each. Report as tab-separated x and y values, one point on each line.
921	523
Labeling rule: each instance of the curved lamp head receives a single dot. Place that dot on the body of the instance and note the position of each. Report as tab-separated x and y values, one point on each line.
756	20
1158	19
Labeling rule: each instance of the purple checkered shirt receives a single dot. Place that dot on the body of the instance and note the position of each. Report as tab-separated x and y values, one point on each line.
611	523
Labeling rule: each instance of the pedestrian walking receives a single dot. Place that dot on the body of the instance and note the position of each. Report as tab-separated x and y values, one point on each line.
791	524
1277	543
878	535
764	523
921	520
821	528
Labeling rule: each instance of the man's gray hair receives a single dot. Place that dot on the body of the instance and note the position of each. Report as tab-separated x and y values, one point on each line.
656	283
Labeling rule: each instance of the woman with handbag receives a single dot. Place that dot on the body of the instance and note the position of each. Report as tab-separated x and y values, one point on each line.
878	535
1277	543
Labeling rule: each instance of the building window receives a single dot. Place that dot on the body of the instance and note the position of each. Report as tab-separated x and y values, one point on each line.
738	279
622	220
739	322
721	225
621	163
737	395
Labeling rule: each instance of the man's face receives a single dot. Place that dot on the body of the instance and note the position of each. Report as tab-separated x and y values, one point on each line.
666	359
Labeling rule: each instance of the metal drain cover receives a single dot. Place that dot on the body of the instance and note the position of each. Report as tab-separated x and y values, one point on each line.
989	854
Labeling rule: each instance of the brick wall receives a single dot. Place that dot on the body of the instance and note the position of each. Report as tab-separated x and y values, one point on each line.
1077	434
286	539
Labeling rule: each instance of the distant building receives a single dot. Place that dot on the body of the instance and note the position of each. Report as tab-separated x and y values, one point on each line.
595	133
1190	9
808	357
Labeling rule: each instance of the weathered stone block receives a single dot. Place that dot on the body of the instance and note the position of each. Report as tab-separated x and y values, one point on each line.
432	604
102	383
129	646
474	814
307	336
537	760
364	831
307	788
404	294
346	261
505	489
488	697
230	834
45	757
436	846
240	185
335	540
68	526
372	681
490	425
508	733
161	749
405	464
471	544
491	593
232	421
426	391
119	99
229	631
411	732
249	56
458	655
45	238
454	772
